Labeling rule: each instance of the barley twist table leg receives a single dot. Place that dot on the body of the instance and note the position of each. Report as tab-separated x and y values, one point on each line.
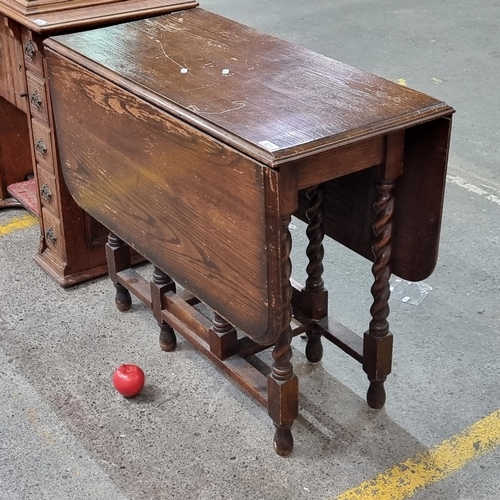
314	283
282	383
377	346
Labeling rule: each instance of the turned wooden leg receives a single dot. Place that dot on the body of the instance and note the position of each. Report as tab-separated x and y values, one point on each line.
377	343
223	338
282	384
118	257
317	296
161	284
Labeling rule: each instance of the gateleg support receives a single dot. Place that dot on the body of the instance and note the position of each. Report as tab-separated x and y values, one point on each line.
377	343
314	296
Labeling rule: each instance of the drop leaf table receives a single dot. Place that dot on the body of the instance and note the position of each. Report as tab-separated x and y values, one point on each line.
194	139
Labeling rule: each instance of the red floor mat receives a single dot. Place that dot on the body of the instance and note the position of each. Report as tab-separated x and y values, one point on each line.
25	192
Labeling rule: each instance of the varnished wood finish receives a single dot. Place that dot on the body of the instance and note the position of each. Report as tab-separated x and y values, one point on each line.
199	158
141	161
265	96
377	342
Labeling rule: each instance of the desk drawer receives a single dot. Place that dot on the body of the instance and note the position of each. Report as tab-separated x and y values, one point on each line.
47	190
33	58
52	232
37	97
42	145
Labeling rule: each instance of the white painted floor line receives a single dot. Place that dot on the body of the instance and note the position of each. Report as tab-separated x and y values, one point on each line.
461	182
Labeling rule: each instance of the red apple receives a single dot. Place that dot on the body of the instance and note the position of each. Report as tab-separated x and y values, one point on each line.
128	380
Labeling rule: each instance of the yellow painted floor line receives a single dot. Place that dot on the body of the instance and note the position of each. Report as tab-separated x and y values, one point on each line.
405	479
18	223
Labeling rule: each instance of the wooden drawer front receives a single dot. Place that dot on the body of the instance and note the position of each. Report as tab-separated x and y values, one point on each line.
52	232
33	58
36	96
47	190
42	145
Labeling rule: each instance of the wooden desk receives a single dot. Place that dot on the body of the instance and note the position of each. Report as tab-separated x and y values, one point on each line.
71	243
194	139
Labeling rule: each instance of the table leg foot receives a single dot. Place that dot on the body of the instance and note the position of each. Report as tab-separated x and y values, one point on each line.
168	340
375	397
283	440
314	347
123	300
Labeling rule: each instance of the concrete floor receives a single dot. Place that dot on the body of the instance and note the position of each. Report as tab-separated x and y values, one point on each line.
192	434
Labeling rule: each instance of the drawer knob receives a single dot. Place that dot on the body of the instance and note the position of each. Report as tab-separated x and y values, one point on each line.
29	50
36	100
46	193
40	147
50	234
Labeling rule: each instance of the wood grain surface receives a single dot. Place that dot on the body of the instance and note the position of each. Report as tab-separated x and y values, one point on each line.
192	206
277	101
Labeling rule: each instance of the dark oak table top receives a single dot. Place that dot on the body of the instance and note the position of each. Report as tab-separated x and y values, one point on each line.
271	99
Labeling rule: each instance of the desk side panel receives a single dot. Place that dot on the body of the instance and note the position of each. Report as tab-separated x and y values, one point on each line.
419	196
191	205
15	152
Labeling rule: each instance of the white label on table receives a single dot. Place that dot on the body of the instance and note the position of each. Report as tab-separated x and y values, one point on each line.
270	146
40	22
